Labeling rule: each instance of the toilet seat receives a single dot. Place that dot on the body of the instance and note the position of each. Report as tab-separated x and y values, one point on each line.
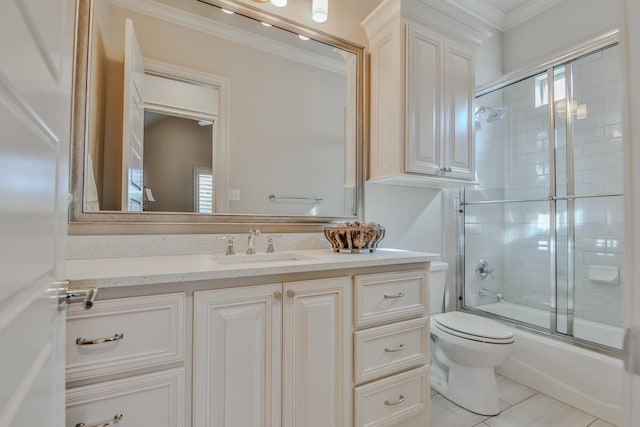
474	328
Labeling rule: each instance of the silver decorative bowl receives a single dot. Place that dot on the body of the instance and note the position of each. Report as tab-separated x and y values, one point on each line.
354	239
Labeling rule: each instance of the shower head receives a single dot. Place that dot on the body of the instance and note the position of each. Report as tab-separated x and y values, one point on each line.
489	114
496	114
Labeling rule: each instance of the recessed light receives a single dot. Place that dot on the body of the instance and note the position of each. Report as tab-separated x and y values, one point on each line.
266	24
228	12
301	37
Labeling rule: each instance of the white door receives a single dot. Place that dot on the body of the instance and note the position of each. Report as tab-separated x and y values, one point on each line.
237	357
36	43
132	122
317	353
631	42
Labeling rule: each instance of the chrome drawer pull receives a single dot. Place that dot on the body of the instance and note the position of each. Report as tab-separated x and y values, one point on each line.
83	341
116	419
400	295
393	350
390	403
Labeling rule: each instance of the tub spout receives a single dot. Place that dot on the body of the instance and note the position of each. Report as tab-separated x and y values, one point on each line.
486	292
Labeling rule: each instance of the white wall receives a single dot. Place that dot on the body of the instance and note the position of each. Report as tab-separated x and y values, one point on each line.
557	29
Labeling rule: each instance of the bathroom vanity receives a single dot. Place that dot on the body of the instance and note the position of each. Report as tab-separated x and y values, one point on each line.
305	338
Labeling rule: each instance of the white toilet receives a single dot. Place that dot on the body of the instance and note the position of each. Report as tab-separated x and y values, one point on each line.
465	349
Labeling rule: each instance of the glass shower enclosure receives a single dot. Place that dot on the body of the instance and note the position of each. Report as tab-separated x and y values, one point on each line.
541	237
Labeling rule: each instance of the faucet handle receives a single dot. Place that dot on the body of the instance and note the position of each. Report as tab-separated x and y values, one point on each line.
270	248
229	239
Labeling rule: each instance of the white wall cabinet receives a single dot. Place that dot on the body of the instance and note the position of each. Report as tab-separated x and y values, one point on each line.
422	96
248	373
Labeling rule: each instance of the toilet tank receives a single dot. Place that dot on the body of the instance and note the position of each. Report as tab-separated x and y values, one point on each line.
437	280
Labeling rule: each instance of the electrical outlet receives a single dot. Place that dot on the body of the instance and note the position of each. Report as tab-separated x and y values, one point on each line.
234	195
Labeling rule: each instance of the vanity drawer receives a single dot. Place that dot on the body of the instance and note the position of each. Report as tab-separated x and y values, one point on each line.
146	400
388	349
124	334
387	297
389	401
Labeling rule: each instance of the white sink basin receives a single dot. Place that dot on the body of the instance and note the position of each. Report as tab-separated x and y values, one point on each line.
261	258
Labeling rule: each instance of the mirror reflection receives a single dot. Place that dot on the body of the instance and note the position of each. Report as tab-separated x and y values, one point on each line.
216	114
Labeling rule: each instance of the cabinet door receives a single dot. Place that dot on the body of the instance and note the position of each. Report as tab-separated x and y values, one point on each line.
460	82
424	102
317	353
237	357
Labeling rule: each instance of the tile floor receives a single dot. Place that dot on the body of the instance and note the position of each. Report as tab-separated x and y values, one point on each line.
521	407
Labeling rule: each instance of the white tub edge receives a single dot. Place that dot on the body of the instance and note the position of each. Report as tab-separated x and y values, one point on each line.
586	380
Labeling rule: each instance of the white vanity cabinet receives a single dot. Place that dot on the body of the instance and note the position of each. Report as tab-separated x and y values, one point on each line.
391	350
274	355
422	96
330	340
125	362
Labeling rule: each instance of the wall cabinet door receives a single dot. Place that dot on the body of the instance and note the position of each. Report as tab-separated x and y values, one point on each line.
460	84
237	357
317	353
425	106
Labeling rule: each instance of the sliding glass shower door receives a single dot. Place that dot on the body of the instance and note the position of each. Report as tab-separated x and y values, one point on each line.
542	233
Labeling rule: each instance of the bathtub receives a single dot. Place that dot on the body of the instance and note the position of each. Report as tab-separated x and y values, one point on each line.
582	378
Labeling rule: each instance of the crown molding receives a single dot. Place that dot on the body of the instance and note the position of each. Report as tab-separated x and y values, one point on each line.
227	32
503	21
444	16
527	11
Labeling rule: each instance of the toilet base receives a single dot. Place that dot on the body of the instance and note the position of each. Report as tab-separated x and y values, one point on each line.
471	388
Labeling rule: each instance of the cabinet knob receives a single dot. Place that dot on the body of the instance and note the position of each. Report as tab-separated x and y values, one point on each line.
277	295
291	293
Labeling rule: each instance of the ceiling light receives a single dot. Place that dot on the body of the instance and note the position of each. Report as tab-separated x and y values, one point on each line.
228	12
320	10
266	24
205	122
279	3
301	37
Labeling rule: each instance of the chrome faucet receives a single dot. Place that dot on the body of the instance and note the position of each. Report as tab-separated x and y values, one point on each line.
253	233
270	248
229	239
486	292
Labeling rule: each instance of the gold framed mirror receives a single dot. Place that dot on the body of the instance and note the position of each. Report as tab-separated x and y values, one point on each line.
269	126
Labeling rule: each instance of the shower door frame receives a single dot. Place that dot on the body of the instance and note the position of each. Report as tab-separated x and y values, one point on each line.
605	41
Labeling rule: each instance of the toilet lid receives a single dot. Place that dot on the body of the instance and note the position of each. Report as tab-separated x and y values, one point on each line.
473	327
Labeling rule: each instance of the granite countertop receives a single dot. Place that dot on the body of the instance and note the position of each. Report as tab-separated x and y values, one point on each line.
131	271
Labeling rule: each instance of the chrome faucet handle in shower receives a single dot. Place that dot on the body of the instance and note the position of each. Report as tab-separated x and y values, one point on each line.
484	269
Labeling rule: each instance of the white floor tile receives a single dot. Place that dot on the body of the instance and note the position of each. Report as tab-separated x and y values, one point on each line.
540	411
447	414
512	392
600	423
